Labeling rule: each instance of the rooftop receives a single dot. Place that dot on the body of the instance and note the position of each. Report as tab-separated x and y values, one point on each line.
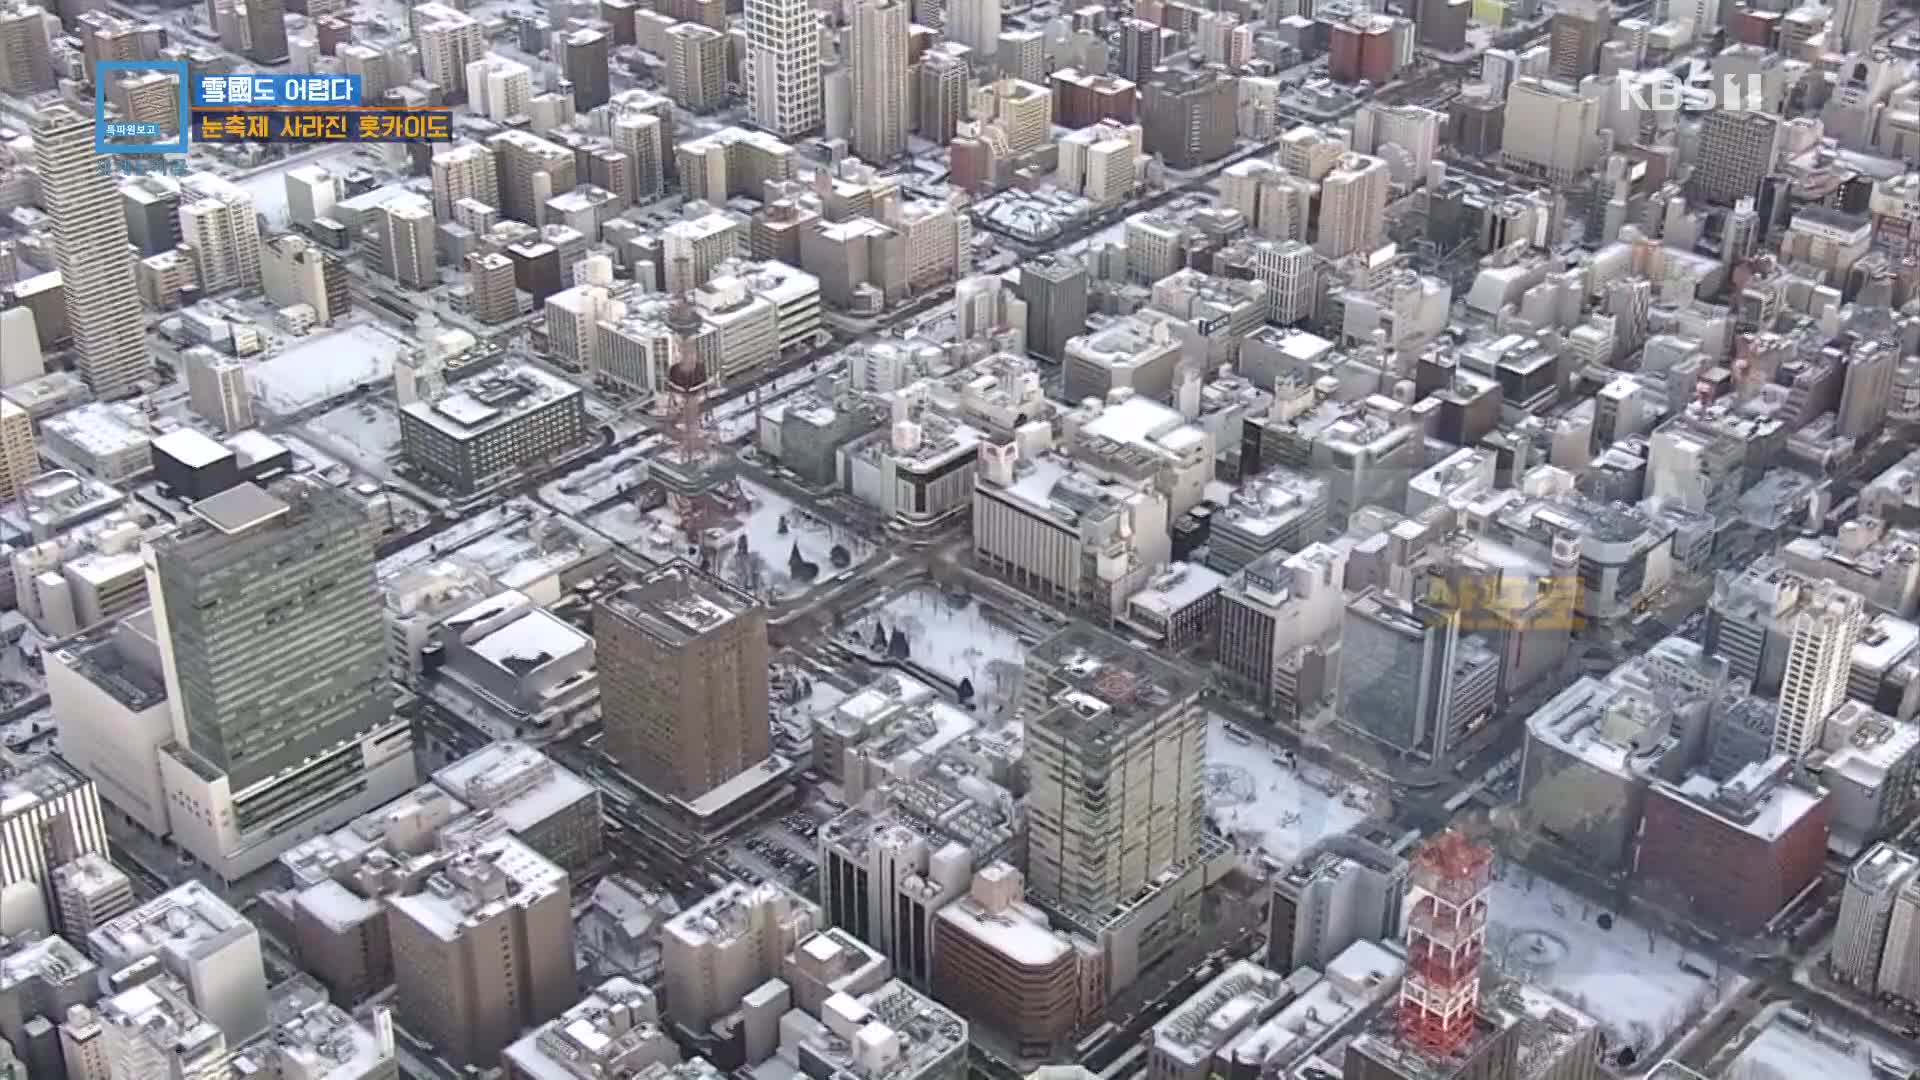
519	784
619	1018
52	961
488	401
42	780
476	884
186	921
1102	687
1240	996
678	603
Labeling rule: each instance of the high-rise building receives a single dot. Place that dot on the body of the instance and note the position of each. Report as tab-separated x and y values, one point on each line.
49	815
498	88
90	247
582	55
1900	960
218	224
1873	887
1577	33
1348	889
1738	148
1549	130
683	658
267	31
944	82
217	389
696	67
484	950
406	229
1189	117
153	1030
312	192
152	205
1105	717
884	880
1819	659
975	24
466	171
83	1045
1353	206
19	459
781	67
1747	621
491	296
1853	25
1054	287
272	641
1142	46
716	951
26	54
877	41
532	170
448	40
1396	672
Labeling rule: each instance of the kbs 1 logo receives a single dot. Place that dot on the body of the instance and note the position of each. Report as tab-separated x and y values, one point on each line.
1699	91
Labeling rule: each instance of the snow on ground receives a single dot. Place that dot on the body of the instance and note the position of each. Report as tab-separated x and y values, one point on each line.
329	468
762	567
581	491
1628	977
324	366
956	639
454	536
367	431
1785	1052
1265	804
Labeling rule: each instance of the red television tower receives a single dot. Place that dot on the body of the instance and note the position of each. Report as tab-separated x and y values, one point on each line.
1446	935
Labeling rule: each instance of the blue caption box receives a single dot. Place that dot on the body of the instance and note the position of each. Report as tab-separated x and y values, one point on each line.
277	91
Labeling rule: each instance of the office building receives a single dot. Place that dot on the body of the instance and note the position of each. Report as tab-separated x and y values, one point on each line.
491	295
998	959
696	67
49	816
1854	26
492	425
403	231
153	1029
1873	888
219	226
19	459
41	978
90	892
1549	130
483	950
613	1031
1280	617
258	762
152	205
1188	118
1736	851
1900	961
1397	672
267	31
546	807
200	940
296	271
1105	717
466	171
883	880
1819	660
1738	148
781	67
943	93
1348	889
26	54
448	40
90	248
532	170
975	24
582	56
1353	206
877	44
683	675
1574	40
498	89
217	389
733	940
694	248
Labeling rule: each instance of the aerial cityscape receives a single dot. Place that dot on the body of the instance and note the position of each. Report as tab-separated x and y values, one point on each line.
959	540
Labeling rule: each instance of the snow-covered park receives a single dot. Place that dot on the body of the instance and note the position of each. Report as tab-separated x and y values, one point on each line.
1270	805
954	638
758	545
1640	984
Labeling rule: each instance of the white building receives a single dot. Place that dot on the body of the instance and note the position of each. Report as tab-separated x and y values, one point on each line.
1819	659
781	67
498	88
218	224
203	942
728	944
1873	888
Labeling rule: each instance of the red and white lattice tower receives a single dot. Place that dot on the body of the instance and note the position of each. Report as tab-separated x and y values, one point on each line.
1446	934
687	420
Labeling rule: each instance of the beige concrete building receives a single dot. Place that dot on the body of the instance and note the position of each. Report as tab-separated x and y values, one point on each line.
1353	206
466	171
732	162
19	460
726	945
877	47
683	675
491	296
26	54
532	170
484	951
696	66
449	40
